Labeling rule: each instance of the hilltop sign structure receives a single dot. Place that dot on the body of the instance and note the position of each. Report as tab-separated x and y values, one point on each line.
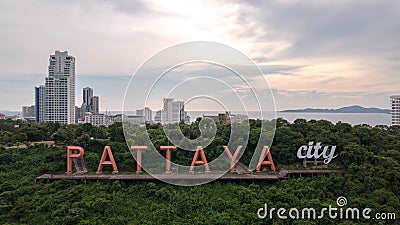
309	153
313	153
199	158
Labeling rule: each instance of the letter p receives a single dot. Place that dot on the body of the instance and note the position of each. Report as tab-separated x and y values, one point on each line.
71	154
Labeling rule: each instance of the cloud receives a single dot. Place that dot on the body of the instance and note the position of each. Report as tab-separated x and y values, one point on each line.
310	49
339	45
318	28
114	37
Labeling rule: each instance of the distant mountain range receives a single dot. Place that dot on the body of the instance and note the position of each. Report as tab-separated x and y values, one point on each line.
348	109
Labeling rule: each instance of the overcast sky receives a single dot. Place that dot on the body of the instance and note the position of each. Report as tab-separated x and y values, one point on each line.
324	54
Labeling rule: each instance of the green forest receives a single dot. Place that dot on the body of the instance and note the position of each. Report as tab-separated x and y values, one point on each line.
370	156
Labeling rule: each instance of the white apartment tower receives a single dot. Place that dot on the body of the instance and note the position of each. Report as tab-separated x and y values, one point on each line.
177	111
148	114
395	105
173	111
59	95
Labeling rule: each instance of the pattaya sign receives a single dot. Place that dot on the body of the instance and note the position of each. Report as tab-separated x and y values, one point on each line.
199	158
309	152
316	152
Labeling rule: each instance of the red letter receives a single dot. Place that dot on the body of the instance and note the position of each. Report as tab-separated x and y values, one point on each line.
262	162
138	157
168	157
235	155
203	161
71	155
103	162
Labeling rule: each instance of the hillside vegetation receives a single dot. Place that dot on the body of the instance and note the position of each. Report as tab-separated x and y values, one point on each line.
371	156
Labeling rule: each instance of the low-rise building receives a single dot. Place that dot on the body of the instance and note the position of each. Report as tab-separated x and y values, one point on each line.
96	119
221	117
134	119
227	118
239	118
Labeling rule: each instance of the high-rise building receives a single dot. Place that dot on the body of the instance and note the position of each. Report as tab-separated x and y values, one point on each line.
79	113
87	95
167	102
59	95
173	111
90	103
55	100
39	103
395	105
148	114
177	111
157	117
94	105
28	112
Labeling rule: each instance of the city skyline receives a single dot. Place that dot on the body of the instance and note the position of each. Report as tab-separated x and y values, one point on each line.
312	57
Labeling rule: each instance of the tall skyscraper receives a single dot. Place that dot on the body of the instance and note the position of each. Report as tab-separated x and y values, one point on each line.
87	95
94	105
39	103
90	104
58	92
395	105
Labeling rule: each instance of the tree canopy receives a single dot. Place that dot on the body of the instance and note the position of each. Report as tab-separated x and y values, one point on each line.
371	156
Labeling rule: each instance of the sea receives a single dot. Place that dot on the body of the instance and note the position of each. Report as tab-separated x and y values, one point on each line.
371	119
